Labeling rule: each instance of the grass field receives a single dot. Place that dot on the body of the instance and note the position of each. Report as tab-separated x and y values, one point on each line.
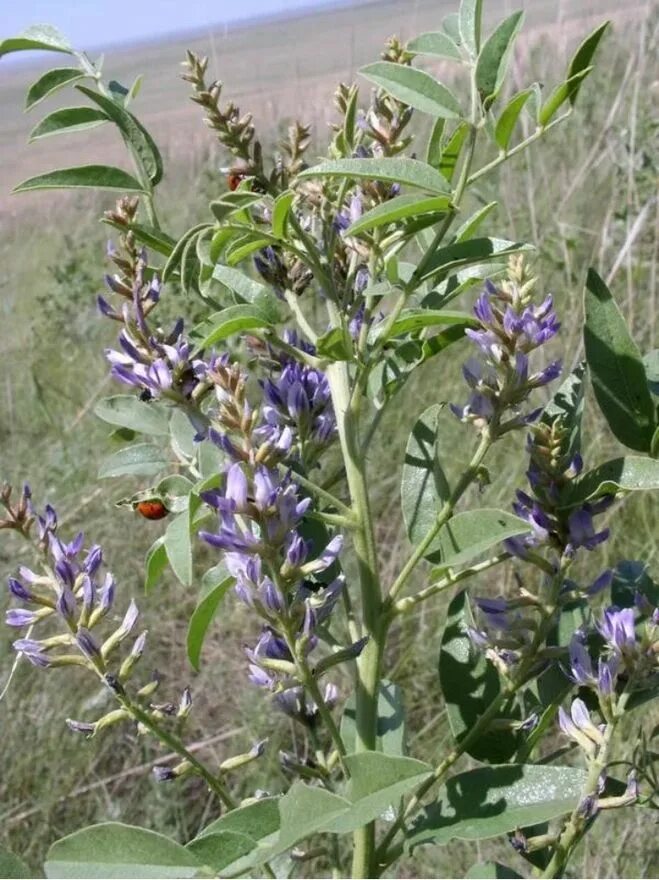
586	196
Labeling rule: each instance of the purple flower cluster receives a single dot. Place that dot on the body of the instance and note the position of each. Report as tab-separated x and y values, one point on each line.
260	514
510	328
279	574
629	648
297	402
271	268
160	367
159	364
70	590
505	630
564	530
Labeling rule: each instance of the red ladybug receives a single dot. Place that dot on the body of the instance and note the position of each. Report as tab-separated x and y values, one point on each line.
234	179
151	509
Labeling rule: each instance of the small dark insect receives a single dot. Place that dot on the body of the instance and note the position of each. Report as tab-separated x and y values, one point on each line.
145	395
151	509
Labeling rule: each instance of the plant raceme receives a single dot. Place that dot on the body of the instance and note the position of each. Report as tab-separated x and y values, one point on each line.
325	287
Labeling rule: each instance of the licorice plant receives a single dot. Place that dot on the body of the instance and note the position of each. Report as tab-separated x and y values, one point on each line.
326	284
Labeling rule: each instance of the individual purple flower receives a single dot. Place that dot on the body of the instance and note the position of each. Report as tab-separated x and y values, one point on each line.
578	726
618	628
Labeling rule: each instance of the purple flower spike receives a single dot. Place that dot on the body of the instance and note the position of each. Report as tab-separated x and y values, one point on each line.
508	332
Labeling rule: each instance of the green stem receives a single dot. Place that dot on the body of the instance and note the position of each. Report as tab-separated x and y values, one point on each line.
370	660
386	857
469	475
578	822
175	745
300	317
312	686
503	157
406	604
321	493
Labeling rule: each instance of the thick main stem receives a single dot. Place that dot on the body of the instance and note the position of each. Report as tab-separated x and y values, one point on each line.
370	660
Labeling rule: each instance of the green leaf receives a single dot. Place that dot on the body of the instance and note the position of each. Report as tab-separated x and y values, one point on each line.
411	320
182	433
248	290
567	404
437	44
451	150
155	239
490	871
137	138
50	82
336	344
39	36
559	96
631	577
582	58
176	255
616	368
174	491
104	177
190	265
214	586
424	487
234	319
451	25
397	209
154	564
633	473
506	122
209	459
651	365
66	121
434	148
490	801
469	227
413	87
469	684
304	811
449	259
131	412
12	867
390	725
222	851
116	850
469	23
493	58
280	212
178	544
231	203
406	171
472	532
142	459
376	782
257	822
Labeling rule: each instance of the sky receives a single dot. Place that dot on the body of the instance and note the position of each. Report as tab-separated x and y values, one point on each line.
92	23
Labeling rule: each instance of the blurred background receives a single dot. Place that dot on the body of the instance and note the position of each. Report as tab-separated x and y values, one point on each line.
586	195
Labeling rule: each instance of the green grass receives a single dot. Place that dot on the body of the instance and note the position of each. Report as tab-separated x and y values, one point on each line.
577	197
